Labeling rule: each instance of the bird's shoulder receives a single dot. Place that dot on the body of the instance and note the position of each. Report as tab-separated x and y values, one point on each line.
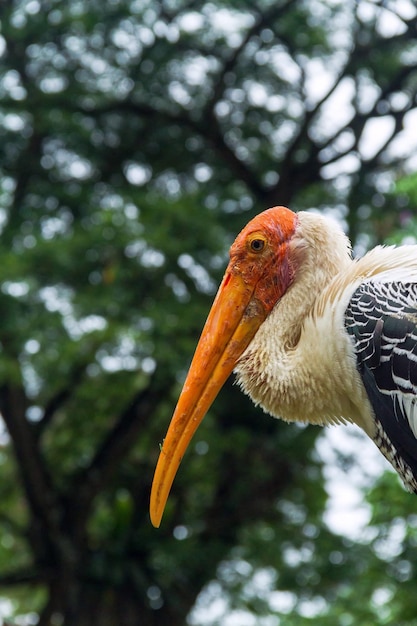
378	296
381	318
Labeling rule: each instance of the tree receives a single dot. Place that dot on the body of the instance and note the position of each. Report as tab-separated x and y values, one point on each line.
137	139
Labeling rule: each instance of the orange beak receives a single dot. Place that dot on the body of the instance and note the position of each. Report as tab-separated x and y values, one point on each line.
231	325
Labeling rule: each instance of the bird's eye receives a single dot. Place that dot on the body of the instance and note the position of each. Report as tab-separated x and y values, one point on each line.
257	245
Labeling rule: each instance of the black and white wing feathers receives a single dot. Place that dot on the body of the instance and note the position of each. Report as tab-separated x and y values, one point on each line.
382	320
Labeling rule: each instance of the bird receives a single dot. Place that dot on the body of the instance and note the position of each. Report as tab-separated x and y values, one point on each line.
312	334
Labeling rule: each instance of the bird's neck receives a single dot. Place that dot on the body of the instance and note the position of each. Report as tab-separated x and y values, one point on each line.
291	366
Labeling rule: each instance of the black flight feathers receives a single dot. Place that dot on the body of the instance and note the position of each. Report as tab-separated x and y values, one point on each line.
382	320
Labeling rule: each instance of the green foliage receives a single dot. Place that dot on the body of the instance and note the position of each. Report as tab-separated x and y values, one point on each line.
137	138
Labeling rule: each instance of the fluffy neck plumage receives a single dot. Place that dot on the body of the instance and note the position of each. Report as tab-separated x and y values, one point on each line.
296	363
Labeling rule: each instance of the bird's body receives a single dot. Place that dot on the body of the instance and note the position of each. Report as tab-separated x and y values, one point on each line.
310	367
312	336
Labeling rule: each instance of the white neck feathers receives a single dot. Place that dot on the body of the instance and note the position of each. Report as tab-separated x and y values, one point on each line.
301	364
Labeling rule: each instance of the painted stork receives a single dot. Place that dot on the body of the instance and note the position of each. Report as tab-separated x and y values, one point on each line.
312	335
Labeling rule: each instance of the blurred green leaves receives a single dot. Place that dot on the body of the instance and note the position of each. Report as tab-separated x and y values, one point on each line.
137	138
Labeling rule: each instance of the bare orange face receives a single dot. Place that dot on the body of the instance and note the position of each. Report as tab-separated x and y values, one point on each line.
258	274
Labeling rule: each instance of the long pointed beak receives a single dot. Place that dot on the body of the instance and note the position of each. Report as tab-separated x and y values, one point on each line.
232	323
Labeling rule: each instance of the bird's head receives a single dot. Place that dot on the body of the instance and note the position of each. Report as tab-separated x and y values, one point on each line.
258	274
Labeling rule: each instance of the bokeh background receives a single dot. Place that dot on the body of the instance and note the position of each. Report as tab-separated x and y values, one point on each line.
136	139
